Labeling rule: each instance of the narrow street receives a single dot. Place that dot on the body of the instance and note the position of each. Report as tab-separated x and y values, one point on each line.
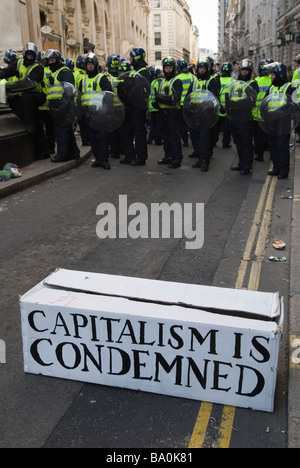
53	225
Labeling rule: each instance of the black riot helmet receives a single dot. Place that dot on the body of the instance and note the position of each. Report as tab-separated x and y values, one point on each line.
53	59
91	58
30	49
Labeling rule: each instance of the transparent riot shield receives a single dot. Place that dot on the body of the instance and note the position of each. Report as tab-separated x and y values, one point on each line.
201	110
65	103
279	113
105	112
240	101
134	90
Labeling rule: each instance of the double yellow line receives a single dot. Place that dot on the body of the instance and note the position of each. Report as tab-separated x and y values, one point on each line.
259	233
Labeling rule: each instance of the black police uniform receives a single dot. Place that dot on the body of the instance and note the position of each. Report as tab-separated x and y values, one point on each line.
99	140
279	145
203	141
133	134
26	104
67	148
169	119
243	133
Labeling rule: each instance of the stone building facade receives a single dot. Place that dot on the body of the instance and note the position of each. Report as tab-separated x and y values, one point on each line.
171	31
259	30
102	26
75	26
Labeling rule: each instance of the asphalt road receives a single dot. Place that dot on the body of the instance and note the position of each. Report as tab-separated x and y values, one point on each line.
53	225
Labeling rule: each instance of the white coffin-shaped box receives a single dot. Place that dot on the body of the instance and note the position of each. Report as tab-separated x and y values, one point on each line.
202	343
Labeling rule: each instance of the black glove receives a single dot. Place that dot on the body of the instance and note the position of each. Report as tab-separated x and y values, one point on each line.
51	80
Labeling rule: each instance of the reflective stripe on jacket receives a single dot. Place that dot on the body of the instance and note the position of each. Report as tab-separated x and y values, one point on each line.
24	72
264	83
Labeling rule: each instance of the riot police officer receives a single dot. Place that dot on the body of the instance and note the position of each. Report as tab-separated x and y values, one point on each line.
70	64
112	65
27	87
223	123
296	78
264	82
93	82
187	78
168	102
154	133
241	119
203	141
48	121
279	144
10	56
79	73
66	143
133	132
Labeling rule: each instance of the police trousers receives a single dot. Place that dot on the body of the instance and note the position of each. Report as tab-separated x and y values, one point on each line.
279	147
26	107
133	135
99	143
66	143
242	133
169	122
202	144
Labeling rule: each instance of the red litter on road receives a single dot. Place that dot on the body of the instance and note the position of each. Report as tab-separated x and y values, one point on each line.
279	245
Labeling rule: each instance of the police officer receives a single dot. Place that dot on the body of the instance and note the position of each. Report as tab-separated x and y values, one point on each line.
112	66
44	112
279	145
203	141
79	73
93	82
168	101
70	64
133	132
264	82
155	133
296	74
296	78
223	123
10	56
29	95
241	119
66	143
187	79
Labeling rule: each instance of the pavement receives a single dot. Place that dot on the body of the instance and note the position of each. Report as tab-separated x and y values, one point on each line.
294	319
40	171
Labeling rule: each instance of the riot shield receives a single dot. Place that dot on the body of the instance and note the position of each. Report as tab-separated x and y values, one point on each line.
105	112
240	101
134	90
66	106
201	110
277	113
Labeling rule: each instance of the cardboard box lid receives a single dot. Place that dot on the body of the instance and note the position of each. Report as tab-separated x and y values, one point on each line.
259	305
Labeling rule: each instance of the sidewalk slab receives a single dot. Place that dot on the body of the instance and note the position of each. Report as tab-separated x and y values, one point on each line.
42	170
294	318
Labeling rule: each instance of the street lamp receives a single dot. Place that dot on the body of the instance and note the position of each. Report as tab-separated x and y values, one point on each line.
279	42
289	37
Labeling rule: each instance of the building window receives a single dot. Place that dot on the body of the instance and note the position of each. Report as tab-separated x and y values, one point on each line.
157	20
157	56
43	18
157	38
156	4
